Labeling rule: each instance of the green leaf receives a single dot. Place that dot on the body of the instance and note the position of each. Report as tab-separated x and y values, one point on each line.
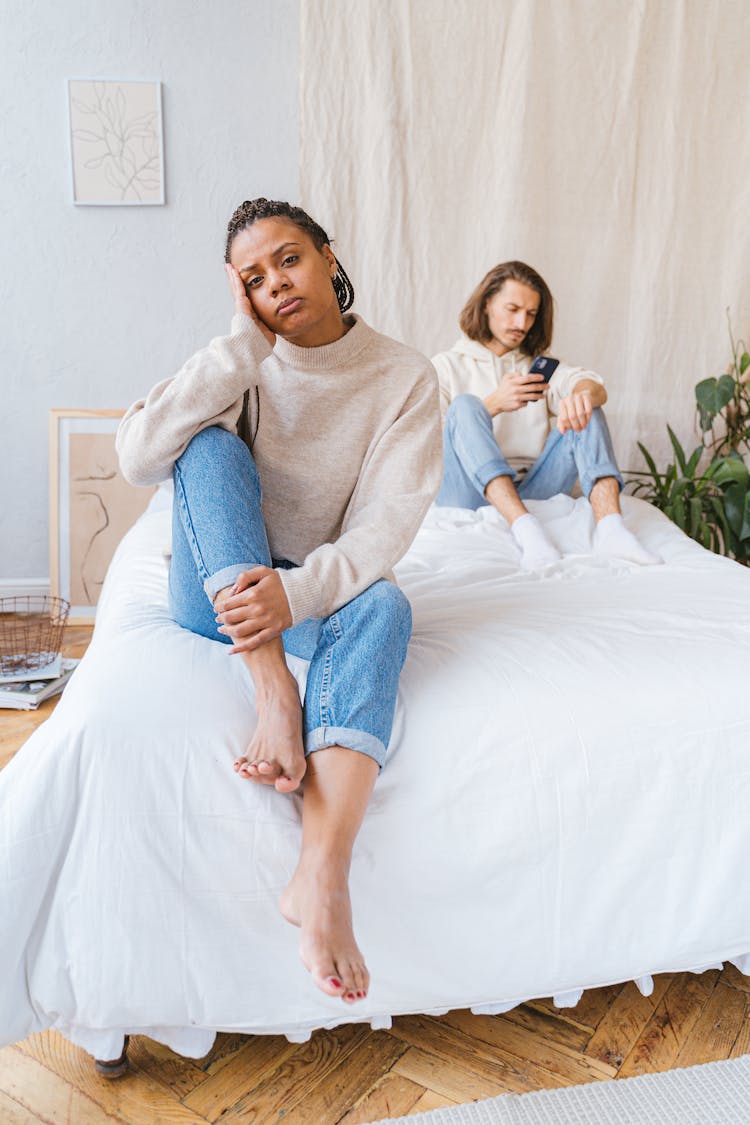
678	512
649	460
692	464
732	470
725	390
744	363
745	529
695	512
711	396
721	519
705	400
734	506
679	452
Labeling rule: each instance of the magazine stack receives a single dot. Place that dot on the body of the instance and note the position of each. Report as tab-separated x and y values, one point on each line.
24	690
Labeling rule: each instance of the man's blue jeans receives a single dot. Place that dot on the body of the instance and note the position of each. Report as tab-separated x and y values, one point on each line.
356	655
472	458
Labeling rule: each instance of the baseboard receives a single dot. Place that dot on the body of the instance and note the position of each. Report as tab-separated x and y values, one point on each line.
23	587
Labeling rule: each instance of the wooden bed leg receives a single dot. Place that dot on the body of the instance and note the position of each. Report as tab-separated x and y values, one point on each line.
113	1068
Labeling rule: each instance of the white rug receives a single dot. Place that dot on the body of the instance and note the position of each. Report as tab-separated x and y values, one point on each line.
715	1093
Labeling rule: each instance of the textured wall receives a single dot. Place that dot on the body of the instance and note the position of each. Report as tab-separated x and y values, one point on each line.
98	303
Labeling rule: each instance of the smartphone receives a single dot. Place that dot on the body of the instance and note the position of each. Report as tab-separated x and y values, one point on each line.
544	365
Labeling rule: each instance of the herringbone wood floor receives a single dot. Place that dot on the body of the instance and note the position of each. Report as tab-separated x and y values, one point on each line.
352	1075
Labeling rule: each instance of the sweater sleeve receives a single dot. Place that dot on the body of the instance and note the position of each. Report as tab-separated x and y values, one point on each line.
564	380
442	365
207	391
398	482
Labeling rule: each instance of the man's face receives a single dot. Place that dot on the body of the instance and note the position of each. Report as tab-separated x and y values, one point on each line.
511	312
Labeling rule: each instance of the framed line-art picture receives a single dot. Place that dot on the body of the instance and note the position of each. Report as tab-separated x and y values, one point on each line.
91	505
116	144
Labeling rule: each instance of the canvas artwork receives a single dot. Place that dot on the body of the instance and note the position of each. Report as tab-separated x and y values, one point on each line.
116	142
92	506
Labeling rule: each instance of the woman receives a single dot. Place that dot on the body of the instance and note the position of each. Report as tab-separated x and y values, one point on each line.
305	450
510	436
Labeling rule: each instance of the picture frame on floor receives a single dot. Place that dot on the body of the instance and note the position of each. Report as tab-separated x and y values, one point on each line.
91	506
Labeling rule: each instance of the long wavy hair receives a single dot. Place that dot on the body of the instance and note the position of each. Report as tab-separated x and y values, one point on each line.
473	318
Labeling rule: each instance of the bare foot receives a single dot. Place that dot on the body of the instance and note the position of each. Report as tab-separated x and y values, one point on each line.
275	755
317	900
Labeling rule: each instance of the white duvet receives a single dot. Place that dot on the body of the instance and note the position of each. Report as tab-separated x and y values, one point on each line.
566	801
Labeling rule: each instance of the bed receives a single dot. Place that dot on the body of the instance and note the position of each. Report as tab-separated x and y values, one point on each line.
565	803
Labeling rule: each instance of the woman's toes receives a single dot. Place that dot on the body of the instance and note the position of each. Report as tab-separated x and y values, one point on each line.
286	784
267	768
361	980
330	983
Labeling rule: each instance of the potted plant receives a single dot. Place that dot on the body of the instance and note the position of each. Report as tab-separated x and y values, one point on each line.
707	493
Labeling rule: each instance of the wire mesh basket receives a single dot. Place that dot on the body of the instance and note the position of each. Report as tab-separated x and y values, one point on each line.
31	631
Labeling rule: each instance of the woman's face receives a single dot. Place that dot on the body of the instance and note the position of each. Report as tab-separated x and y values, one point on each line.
288	280
511	313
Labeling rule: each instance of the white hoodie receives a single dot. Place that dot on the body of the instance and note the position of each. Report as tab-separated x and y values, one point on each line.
471	368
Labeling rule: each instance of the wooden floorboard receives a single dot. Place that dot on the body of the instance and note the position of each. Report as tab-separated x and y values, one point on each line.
354	1076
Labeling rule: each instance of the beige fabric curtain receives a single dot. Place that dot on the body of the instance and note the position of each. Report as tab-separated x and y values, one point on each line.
605	142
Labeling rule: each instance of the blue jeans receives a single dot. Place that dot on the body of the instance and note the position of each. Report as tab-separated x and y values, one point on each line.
356	655
472	458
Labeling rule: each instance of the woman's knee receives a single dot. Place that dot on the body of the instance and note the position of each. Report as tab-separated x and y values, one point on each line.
212	444
388	607
217	451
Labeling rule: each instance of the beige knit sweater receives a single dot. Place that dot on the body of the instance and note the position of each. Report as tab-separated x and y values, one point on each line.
346	440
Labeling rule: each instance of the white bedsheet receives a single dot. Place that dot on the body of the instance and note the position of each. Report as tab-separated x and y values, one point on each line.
565	803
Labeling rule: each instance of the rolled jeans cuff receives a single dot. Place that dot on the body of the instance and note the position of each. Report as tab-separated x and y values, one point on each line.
589	478
492	469
223	578
350	739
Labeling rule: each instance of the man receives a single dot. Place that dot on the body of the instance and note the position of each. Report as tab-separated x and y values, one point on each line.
516	430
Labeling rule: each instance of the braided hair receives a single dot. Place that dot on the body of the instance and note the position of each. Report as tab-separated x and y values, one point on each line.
252	210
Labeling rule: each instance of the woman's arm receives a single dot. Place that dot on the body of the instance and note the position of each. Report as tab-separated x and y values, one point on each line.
207	391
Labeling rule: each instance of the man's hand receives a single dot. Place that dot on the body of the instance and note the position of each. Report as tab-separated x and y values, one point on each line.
516	390
242	302
255	610
574	411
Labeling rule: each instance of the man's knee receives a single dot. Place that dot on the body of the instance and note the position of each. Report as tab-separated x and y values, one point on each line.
596	425
466	406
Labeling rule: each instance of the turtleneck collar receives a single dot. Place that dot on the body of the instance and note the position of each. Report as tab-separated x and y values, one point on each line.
327	357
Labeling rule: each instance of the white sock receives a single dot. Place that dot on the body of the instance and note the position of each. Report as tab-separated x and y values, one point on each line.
536	548
613	540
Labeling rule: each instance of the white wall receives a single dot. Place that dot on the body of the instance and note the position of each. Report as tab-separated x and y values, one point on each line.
98	303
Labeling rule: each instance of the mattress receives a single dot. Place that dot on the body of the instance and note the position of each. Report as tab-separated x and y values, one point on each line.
564	804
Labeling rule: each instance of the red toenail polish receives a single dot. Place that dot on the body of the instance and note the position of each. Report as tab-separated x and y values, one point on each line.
334	982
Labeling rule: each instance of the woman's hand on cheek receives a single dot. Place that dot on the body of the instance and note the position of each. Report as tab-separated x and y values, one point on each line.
257	610
242	302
